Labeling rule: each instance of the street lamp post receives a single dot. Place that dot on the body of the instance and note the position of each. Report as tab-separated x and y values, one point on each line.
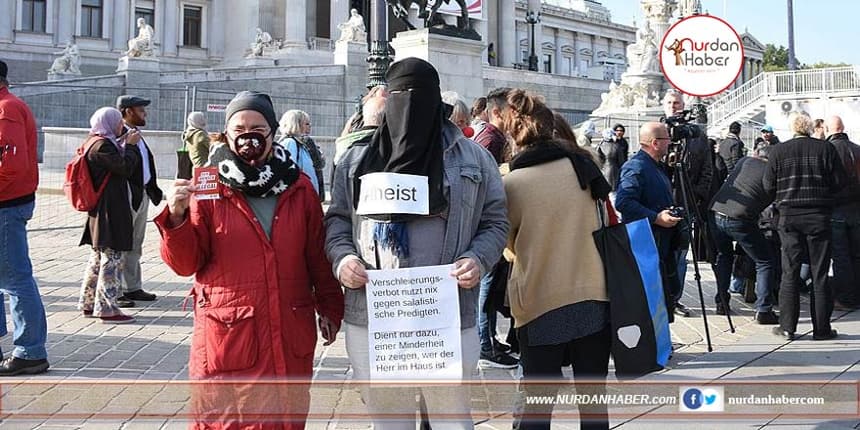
792	62
379	57
533	18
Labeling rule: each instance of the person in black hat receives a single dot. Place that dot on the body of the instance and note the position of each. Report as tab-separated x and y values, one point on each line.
19	177
466	226
144	180
261	274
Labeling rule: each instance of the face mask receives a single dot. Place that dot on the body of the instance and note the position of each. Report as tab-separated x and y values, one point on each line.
250	146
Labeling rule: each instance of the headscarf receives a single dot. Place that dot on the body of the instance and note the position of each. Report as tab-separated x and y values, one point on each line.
104	123
196	120
409	139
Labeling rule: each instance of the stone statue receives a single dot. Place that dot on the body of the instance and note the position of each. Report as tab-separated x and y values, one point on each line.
429	13
353	29
144	44
69	61
261	40
647	49
689	7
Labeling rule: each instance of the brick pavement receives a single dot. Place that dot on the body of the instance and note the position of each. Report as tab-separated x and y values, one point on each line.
97	363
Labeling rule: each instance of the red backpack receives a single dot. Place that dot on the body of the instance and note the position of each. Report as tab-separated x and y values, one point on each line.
78	185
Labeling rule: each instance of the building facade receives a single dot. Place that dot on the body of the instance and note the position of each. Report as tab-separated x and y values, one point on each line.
573	37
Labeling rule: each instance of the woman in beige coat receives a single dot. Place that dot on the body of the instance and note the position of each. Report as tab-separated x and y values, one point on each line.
557	289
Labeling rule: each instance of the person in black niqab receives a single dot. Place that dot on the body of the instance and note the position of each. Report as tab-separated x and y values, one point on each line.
409	140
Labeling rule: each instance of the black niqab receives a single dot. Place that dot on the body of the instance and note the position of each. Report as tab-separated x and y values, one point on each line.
409	139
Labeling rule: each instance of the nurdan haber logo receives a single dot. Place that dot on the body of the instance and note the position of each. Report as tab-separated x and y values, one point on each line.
701	55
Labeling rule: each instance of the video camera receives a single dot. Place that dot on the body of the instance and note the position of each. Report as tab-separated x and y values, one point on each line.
680	127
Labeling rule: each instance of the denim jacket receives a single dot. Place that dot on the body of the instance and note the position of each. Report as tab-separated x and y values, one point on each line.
476	227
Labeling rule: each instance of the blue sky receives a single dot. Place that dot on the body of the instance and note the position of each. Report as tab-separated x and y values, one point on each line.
824	30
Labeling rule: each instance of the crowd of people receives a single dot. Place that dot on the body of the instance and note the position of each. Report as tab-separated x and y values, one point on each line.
513	199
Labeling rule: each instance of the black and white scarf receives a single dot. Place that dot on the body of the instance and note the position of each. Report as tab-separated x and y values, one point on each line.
266	180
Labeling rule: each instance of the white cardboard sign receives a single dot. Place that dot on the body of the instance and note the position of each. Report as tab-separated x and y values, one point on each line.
393	193
413	318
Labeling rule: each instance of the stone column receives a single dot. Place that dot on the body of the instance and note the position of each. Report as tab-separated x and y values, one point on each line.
65	22
558	68
216	36
121	25
107	22
311	17
577	45
296	22
169	44
339	14
7	19
491	15
508	44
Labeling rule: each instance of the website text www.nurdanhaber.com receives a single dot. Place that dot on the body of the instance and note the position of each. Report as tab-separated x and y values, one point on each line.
602	399
769	399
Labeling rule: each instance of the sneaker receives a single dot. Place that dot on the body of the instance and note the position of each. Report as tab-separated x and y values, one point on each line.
140	295
766	318
88	313
498	360
503	347
123	302
15	366
118	319
682	310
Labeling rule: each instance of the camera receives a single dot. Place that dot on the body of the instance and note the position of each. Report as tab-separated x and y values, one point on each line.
677	211
680	127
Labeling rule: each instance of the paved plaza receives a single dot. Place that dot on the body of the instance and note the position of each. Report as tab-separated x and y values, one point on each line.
130	376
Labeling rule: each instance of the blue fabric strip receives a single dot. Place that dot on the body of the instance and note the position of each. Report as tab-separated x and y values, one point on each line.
645	252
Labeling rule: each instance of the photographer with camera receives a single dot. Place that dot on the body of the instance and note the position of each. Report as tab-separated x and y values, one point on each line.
690	147
645	191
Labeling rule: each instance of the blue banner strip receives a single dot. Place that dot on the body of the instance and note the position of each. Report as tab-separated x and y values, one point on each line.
645	252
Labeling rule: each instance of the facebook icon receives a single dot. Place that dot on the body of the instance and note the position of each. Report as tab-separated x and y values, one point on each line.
692	399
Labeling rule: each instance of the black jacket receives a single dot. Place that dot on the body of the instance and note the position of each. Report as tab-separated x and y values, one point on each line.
849	154
109	225
138	187
803	175
742	196
730	151
698	159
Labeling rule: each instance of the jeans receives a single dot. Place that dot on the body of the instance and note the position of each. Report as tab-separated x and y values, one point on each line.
800	233
681	256
486	320
131	274
16	281
753	242
845	245
737	284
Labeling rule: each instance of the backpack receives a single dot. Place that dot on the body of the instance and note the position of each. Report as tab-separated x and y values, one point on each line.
78	184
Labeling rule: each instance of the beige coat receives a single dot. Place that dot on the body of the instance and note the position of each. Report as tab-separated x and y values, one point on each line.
556	262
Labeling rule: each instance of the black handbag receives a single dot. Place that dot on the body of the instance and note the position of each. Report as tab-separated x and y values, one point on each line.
641	341
184	168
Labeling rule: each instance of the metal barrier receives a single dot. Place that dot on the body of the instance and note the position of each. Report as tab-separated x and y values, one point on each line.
72	104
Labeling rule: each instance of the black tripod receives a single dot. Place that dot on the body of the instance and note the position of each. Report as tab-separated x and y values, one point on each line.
692	225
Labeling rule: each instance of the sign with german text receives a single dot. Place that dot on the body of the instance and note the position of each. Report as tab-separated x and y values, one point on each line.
413	324
215	108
